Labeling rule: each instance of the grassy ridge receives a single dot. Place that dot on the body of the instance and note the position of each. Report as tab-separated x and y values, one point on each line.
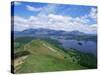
46	55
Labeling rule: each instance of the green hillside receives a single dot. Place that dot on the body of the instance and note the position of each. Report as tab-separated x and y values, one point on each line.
42	56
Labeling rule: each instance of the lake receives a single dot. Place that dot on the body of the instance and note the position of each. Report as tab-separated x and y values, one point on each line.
83	46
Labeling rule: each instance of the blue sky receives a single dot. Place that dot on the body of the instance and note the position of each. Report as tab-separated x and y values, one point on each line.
55	16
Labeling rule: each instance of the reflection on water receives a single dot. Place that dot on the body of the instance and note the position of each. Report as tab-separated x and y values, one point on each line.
83	46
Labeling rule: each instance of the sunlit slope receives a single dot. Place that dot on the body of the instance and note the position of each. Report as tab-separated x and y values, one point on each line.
46	57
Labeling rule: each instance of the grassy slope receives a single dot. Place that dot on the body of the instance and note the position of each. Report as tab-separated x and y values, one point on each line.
43	58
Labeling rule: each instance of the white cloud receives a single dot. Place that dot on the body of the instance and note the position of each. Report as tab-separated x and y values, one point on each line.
31	8
93	13
20	23
47	19
59	17
50	8
56	22
17	3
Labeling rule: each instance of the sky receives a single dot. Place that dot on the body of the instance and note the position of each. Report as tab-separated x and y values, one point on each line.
65	17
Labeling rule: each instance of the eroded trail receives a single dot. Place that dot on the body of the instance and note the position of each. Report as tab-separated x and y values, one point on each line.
18	62
60	54
49	47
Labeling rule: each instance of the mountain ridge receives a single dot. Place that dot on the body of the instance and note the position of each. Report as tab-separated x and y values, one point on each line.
48	32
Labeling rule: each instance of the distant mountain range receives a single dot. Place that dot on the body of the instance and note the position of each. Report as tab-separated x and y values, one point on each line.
47	33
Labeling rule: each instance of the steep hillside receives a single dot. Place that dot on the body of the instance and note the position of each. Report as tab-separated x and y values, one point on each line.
40	55
45	57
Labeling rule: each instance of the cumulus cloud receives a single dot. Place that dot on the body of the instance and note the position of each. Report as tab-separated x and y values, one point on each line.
20	23
47	18
93	13
31	8
56	22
